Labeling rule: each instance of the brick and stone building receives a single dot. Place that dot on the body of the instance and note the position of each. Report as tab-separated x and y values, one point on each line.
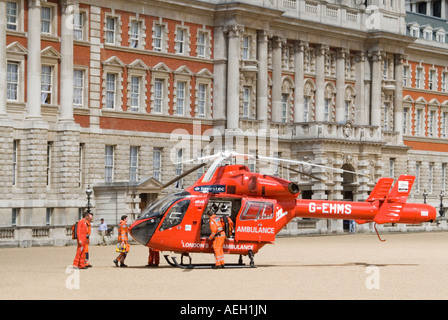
104	94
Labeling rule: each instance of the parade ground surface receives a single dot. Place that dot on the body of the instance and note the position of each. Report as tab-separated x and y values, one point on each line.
405	266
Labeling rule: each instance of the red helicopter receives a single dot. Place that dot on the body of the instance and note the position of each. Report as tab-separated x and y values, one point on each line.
260	206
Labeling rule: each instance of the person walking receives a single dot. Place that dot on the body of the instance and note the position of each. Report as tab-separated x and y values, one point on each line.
123	245
89	231
102	229
81	239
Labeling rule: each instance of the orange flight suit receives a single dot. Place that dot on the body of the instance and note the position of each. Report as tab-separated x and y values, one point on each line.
123	237
81	233
154	256
218	236
89	227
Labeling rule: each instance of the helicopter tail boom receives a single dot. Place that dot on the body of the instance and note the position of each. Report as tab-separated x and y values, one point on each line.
382	206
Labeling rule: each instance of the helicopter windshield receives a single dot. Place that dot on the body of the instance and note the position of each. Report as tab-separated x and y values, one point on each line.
160	206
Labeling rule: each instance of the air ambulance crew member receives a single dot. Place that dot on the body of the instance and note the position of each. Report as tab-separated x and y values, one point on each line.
89	231
123	241
153	258
81	234
218	236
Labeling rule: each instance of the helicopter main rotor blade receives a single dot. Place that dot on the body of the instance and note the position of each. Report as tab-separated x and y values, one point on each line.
307	163
186	173
301	172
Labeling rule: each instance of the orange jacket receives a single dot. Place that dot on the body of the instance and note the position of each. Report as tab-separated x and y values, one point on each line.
82	231
122	232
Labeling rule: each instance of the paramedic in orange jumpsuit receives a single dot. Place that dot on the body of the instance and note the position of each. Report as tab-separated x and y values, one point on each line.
153	259
218	236
123	240
89	228
81	234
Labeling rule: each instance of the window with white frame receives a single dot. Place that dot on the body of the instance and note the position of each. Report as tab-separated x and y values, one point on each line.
202	45
135	34
202	100
419	78
246	101
158	37
386	69
444	82
78	87
46	14
12	81
391	168
157	163
406	120
285	104
432	124
111	90
109	164
12	15
432	81
181	41
327	103
406	76
181	88
306	109
159	85
46	84
444	124
246	47
133	164
111	29
419	122
427	34
135	93
386	112
79	19
441	36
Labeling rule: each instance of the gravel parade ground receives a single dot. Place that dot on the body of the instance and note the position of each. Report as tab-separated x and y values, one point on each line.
405	266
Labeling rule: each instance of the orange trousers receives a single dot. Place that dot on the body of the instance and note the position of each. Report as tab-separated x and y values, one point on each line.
154	257
80	258
218	244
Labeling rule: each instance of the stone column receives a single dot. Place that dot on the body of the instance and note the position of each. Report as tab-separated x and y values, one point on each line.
340	84
262	76
233	75
277	44
321	51
362	111
34	61
398	97
220	83
375	112
299	48
68	7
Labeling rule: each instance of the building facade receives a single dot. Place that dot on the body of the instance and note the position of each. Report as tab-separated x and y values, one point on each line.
112	94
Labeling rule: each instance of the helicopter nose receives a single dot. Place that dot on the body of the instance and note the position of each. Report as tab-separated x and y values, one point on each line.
142	230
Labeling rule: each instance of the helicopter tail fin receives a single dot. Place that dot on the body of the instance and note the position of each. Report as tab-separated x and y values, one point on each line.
381	190
392	206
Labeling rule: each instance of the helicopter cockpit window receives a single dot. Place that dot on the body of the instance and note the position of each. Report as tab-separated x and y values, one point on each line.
175	215
255	210
160	206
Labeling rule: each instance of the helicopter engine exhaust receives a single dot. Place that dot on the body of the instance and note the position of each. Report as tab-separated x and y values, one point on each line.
293	188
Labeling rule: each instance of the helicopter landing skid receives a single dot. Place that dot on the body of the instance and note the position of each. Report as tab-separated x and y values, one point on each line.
190	265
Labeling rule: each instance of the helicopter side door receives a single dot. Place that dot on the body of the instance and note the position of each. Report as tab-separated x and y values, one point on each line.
256	221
